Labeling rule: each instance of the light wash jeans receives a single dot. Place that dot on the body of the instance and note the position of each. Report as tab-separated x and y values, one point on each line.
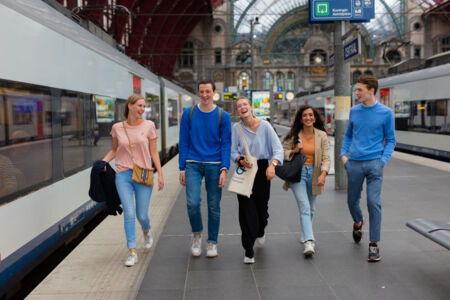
372	171
306	202
195	171
126	188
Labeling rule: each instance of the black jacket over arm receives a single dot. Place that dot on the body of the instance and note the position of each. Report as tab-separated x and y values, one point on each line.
103	187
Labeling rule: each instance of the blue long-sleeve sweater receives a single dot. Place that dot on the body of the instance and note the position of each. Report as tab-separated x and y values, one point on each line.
370	133
202	141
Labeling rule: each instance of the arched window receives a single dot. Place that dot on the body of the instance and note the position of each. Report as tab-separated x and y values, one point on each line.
356	74
280	80
445	44
290	81
268	81
368	72
393	56
243	81
318	57
186	57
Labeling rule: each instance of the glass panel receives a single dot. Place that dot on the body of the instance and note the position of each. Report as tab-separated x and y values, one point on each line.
268	81
290	81
152	110
172	109
280	80
25	152
73	129
101	123
243	81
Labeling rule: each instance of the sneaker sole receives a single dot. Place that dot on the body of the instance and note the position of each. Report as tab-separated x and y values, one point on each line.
211	256
196	255
374	259
308	253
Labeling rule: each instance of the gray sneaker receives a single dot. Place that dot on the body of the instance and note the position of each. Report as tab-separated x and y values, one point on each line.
196	248
309	248
148	240
132	259
374	253
211	250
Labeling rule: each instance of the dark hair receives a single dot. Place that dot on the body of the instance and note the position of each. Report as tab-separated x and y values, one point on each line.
131	100
370	81
206	81
298	125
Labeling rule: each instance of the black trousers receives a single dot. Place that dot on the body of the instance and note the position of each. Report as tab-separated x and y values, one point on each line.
253	211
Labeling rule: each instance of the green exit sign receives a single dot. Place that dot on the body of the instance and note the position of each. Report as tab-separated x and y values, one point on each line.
322	9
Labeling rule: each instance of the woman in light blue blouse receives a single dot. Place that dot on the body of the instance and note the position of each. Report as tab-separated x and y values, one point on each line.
266	147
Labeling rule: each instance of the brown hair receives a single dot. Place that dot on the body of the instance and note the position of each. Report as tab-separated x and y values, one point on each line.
131	100
206	81
370	81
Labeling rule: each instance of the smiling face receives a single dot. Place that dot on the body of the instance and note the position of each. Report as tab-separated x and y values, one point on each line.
137	109
308	118
244	108
206	93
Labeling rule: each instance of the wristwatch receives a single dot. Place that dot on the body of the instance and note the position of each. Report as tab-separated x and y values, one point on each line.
274	163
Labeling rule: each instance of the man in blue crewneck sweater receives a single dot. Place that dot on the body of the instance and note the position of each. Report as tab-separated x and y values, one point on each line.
366	149
205	145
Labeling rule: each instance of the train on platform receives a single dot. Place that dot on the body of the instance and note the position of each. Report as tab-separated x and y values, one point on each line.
61	90
420	101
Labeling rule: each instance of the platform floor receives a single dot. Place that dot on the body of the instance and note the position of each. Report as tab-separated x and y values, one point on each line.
412	267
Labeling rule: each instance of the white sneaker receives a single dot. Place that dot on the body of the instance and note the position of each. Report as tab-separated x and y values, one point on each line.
248	260
132	259
309	248
196	248
148	239
261	240
211	250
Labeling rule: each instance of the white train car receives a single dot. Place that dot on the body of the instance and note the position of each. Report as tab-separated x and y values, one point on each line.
421	104
61	89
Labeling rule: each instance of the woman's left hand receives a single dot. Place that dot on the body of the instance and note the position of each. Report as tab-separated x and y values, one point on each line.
270	172
321	179
160	182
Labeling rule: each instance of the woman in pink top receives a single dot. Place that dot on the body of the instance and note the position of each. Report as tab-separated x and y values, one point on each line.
143	137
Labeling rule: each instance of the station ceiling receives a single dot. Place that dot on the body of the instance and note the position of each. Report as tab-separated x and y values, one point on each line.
154	30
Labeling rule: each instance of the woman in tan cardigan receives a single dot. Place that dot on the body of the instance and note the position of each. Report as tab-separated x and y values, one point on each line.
308	136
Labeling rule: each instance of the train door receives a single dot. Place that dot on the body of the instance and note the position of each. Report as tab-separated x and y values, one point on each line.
385	97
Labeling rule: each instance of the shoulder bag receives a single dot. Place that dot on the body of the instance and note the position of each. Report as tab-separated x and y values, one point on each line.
140	175
243	178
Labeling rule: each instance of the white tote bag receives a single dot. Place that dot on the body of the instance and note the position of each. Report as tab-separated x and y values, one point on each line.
242	181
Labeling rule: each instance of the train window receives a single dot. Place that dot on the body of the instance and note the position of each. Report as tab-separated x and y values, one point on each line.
152	109
25	149
431	116
74	137
172	109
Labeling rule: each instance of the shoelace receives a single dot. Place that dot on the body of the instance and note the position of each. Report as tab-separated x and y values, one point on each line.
210	247
196	243
373	249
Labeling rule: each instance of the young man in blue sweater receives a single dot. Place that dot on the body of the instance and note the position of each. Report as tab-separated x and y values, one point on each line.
366	149
205	145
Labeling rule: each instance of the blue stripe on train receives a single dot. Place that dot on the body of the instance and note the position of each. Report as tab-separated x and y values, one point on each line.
29	255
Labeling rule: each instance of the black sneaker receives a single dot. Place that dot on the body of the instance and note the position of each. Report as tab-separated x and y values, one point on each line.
374	253
357	232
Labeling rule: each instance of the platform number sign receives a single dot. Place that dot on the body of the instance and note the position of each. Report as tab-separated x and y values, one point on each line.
322	9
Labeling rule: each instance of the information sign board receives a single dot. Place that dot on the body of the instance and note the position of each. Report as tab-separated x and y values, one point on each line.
229	96
339	10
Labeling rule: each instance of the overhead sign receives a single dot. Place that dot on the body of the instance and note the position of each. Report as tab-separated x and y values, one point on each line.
339	10
278	96
351	49
230	89
229	96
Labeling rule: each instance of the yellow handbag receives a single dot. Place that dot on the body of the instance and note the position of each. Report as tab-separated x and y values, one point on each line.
140	175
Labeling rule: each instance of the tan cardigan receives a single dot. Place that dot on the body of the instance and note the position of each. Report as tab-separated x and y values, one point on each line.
321	157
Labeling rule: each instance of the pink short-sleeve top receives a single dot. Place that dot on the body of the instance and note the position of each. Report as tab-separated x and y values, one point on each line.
140	137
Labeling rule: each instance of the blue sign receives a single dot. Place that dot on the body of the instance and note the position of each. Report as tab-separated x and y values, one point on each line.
351	49
340	10
226	89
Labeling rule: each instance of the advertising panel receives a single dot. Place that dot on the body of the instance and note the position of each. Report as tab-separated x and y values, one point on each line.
261	104
104	107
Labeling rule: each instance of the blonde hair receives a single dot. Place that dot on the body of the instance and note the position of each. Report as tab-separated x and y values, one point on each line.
243	97
131	100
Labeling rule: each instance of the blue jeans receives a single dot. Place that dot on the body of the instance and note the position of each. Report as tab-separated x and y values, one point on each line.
306	201
194	173
372	171
126	187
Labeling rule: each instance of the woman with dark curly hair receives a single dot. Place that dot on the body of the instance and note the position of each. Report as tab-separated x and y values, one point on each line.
308	136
